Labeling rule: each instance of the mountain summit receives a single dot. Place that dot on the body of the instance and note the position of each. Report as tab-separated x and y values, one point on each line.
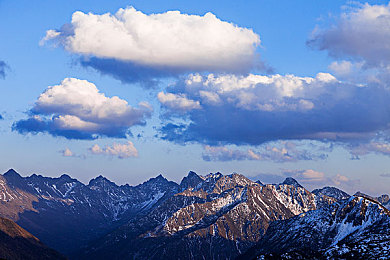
192	180
292	181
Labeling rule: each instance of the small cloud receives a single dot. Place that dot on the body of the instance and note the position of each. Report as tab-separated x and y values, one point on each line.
177	102
339	179
308	176
3	69
67	152
50	35
122	151
385	175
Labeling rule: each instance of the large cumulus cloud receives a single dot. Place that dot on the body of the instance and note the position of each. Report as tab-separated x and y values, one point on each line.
76	109
257	109
129	43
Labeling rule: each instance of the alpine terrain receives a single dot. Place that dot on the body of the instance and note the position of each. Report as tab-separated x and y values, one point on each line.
204	217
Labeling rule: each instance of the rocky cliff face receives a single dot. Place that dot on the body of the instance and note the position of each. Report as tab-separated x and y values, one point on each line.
355	228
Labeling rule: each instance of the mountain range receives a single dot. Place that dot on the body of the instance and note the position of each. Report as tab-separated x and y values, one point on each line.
203	217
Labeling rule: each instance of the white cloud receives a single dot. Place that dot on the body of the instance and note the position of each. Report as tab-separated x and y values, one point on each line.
310	176
339	179
69	153
177	102
276	152
209	97
255	109
341	68
77	107
95	149
252	92
50	35
169	39
122	151
361	33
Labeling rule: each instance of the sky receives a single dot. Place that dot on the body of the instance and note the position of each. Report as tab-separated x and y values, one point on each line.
132	89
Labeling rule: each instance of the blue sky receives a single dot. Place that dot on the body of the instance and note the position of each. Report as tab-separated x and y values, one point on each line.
239	91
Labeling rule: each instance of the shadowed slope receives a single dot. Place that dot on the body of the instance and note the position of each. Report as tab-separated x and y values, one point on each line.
16	243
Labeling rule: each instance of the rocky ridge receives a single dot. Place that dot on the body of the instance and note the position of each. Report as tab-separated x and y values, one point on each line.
354	228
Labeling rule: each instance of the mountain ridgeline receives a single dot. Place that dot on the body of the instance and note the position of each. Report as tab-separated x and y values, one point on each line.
204	217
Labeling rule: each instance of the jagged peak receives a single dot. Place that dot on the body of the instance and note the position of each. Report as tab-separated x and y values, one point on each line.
192	174
191	180
331	192
238	177
65	176
292	181
100	180
160	177
12	173
158	181
259	182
